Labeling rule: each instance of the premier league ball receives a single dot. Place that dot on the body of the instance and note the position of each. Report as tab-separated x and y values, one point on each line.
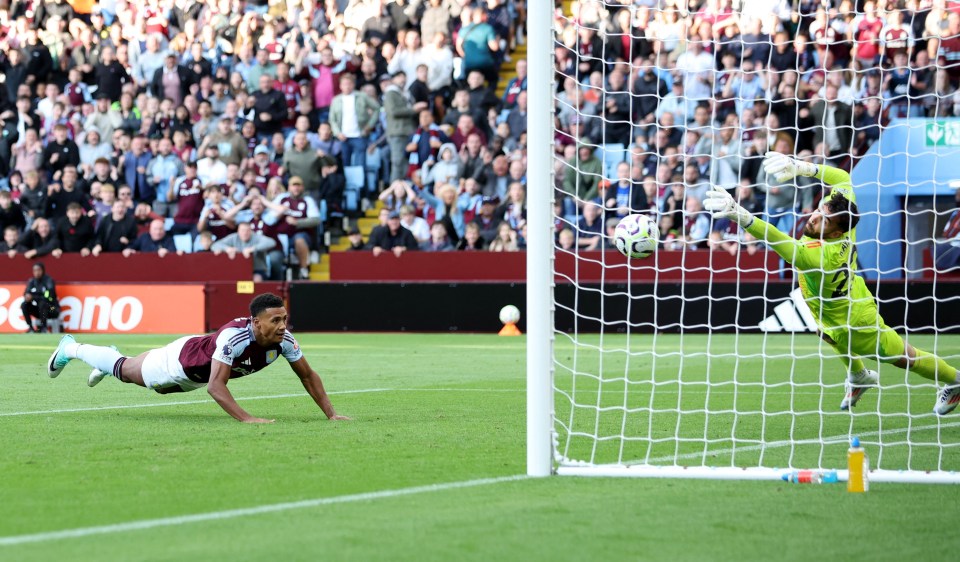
636	236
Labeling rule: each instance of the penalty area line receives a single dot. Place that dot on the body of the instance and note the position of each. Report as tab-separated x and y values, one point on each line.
247	511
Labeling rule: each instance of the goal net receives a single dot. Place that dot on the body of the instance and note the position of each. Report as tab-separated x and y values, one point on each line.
703	360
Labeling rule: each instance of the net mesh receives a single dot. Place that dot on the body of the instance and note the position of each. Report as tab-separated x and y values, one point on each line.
705	353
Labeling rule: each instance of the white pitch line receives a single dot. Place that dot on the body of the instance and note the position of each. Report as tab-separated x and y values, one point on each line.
182	402
268	397
243	512
778	444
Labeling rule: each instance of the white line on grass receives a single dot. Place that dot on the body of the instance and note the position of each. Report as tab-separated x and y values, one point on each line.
243	512
179	403
268	397
845	438
360	391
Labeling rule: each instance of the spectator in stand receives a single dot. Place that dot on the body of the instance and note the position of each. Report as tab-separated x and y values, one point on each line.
60	153
103	202
486	220
143	213
270	107
506	240
39	240
231	146
584	173
392	237
297	216
75	234
11	213
154	240
61	194
215	218
171	81
161	171
10	245
397	195
696	224
39	300
446	207
439	241
353	116
115	231
833	126
263	167
109	76
186	200
33	197
446	169
472	241
133	167
249	244
303	162
425	143
210	169
625	197
440	70
28	152
356	240
417	225
92	147
400	125
590	227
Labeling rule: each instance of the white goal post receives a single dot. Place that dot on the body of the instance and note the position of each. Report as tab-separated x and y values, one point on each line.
700	363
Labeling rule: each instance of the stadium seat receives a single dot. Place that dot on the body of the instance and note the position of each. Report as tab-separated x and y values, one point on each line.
611	155
351	195
184	243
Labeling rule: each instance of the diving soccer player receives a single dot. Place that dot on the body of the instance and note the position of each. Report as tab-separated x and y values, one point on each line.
825	258
239	348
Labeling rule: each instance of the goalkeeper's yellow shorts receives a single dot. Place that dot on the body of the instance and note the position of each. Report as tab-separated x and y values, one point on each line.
878	341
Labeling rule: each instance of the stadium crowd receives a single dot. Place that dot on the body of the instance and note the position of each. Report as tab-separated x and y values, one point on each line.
256	126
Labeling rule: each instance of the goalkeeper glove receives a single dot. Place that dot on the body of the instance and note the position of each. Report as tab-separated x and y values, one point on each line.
722	206
783	168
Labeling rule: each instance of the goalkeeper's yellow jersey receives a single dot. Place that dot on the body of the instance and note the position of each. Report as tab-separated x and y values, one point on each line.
836	295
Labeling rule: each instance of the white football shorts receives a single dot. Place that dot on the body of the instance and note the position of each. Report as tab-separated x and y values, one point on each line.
162	369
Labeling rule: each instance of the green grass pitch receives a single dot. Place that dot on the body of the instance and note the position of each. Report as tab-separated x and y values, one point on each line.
423	470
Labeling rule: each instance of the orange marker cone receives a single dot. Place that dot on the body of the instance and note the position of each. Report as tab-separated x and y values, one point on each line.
510	329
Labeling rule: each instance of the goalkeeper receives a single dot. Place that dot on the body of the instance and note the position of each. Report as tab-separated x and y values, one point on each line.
838	298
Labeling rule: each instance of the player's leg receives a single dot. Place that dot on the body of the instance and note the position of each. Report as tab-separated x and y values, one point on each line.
859	378
104	359
301	246
931	367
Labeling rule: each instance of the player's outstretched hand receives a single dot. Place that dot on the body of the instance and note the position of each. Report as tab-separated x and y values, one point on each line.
721	204
257	420
339	417
783	168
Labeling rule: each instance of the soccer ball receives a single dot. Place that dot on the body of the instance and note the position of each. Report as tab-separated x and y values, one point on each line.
636	236
509	314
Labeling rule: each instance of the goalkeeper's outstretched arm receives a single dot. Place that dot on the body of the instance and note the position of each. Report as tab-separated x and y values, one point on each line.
800	255
783	168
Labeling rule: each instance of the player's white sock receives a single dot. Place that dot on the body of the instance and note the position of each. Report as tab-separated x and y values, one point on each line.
103	358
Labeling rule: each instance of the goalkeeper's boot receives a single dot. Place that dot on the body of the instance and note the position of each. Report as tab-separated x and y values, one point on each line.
59	358
857	385
947	399
96	375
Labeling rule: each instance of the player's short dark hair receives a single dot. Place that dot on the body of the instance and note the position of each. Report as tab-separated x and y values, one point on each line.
842	211
263	302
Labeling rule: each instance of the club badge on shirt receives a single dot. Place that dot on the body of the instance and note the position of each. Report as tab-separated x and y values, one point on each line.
271	356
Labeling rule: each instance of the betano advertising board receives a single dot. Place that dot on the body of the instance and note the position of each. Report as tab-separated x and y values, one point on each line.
130	309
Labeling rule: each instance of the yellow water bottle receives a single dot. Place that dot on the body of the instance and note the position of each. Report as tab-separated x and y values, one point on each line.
858	467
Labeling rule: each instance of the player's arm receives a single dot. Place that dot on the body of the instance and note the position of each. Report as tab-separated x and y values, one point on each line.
783	168
722	205
314	385
217	387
